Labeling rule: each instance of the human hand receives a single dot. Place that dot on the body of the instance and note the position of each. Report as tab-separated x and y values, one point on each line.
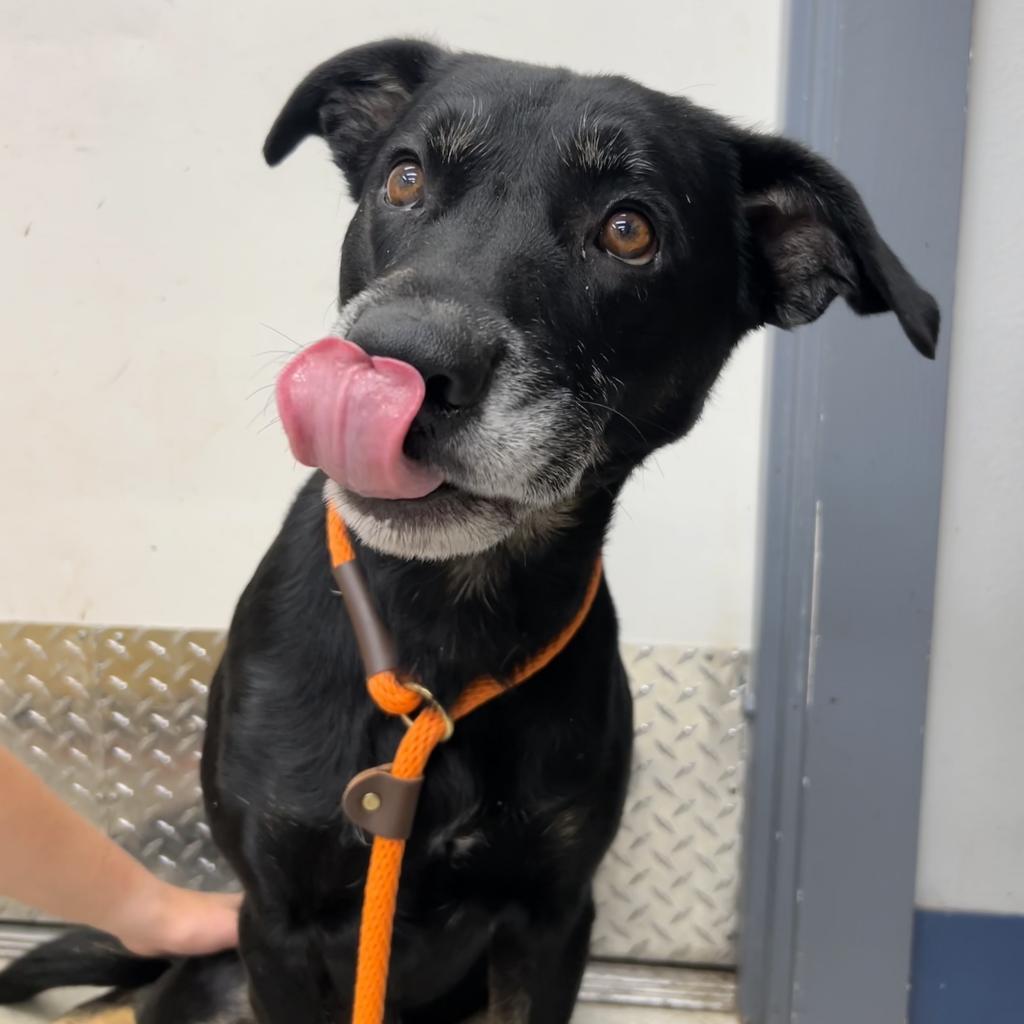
165	920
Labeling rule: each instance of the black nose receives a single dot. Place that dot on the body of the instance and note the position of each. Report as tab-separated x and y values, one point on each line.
456	361
457	386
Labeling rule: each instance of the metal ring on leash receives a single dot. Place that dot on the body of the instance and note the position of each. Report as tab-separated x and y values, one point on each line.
435	705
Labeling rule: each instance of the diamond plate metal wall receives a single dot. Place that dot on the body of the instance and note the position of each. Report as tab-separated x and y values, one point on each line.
668	889
113	720
151	688
49	715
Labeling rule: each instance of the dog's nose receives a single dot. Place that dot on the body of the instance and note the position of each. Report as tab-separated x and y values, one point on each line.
456	386
456	362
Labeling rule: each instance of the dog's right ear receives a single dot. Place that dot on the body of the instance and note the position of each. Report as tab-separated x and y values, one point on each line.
352	99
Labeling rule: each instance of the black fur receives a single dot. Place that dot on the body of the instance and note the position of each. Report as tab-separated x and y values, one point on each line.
518	810
82	956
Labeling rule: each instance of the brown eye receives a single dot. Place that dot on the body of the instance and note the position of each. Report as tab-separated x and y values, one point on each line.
406	184
628	236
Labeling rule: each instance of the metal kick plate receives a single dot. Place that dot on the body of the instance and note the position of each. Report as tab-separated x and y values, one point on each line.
49	715
667	890
113	719
151	688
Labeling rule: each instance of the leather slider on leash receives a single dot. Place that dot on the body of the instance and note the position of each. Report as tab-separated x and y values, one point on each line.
376	648
381	804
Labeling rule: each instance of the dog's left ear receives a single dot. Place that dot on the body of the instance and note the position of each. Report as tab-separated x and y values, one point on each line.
812	239
352	100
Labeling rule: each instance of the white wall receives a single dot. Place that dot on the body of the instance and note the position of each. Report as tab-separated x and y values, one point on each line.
972	839
150	262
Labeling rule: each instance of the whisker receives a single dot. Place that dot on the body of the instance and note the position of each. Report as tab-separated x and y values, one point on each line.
281	334
263	411
271	395
258	415
277	361
252	394
615	412
333	303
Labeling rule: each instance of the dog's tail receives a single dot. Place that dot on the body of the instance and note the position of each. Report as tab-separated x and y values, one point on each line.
82	956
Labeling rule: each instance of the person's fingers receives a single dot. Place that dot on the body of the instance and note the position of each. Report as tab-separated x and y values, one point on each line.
211	924
229	899
184	923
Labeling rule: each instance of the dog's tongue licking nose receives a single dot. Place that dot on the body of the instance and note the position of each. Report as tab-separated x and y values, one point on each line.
348	414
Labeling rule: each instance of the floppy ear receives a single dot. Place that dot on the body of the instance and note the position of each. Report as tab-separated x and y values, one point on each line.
351	100
813	239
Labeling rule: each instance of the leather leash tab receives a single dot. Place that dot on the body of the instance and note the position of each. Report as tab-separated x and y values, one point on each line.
376	648
381	804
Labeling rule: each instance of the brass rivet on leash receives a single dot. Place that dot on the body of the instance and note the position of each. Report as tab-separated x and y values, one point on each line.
381	804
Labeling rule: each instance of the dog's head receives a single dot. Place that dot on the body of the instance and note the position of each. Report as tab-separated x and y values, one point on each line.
567	262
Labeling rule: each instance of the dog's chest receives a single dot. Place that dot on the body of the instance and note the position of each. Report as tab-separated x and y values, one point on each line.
503	826
486	834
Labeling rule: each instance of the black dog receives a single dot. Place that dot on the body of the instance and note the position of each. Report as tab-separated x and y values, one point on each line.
568	262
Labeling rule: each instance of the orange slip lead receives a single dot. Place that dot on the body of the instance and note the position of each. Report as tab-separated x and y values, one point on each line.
383	799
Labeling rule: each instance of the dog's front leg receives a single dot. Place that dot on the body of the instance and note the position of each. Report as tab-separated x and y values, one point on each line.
536	969
286	984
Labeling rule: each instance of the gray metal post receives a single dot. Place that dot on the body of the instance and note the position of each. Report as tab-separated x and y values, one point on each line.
851	490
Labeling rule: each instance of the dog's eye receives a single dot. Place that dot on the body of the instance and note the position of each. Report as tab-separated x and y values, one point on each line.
628	236
406	184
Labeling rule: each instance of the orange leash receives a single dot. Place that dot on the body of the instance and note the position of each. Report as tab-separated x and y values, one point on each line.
389	792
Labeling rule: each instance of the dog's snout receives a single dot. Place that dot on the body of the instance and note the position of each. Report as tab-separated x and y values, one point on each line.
455	360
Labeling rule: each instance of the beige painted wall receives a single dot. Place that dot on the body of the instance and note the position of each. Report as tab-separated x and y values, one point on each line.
972	836
151	264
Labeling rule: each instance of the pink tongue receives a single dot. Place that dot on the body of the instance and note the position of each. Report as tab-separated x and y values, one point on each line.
348	414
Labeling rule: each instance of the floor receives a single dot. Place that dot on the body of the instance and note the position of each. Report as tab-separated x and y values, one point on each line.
709	987
50	1007
594	1014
